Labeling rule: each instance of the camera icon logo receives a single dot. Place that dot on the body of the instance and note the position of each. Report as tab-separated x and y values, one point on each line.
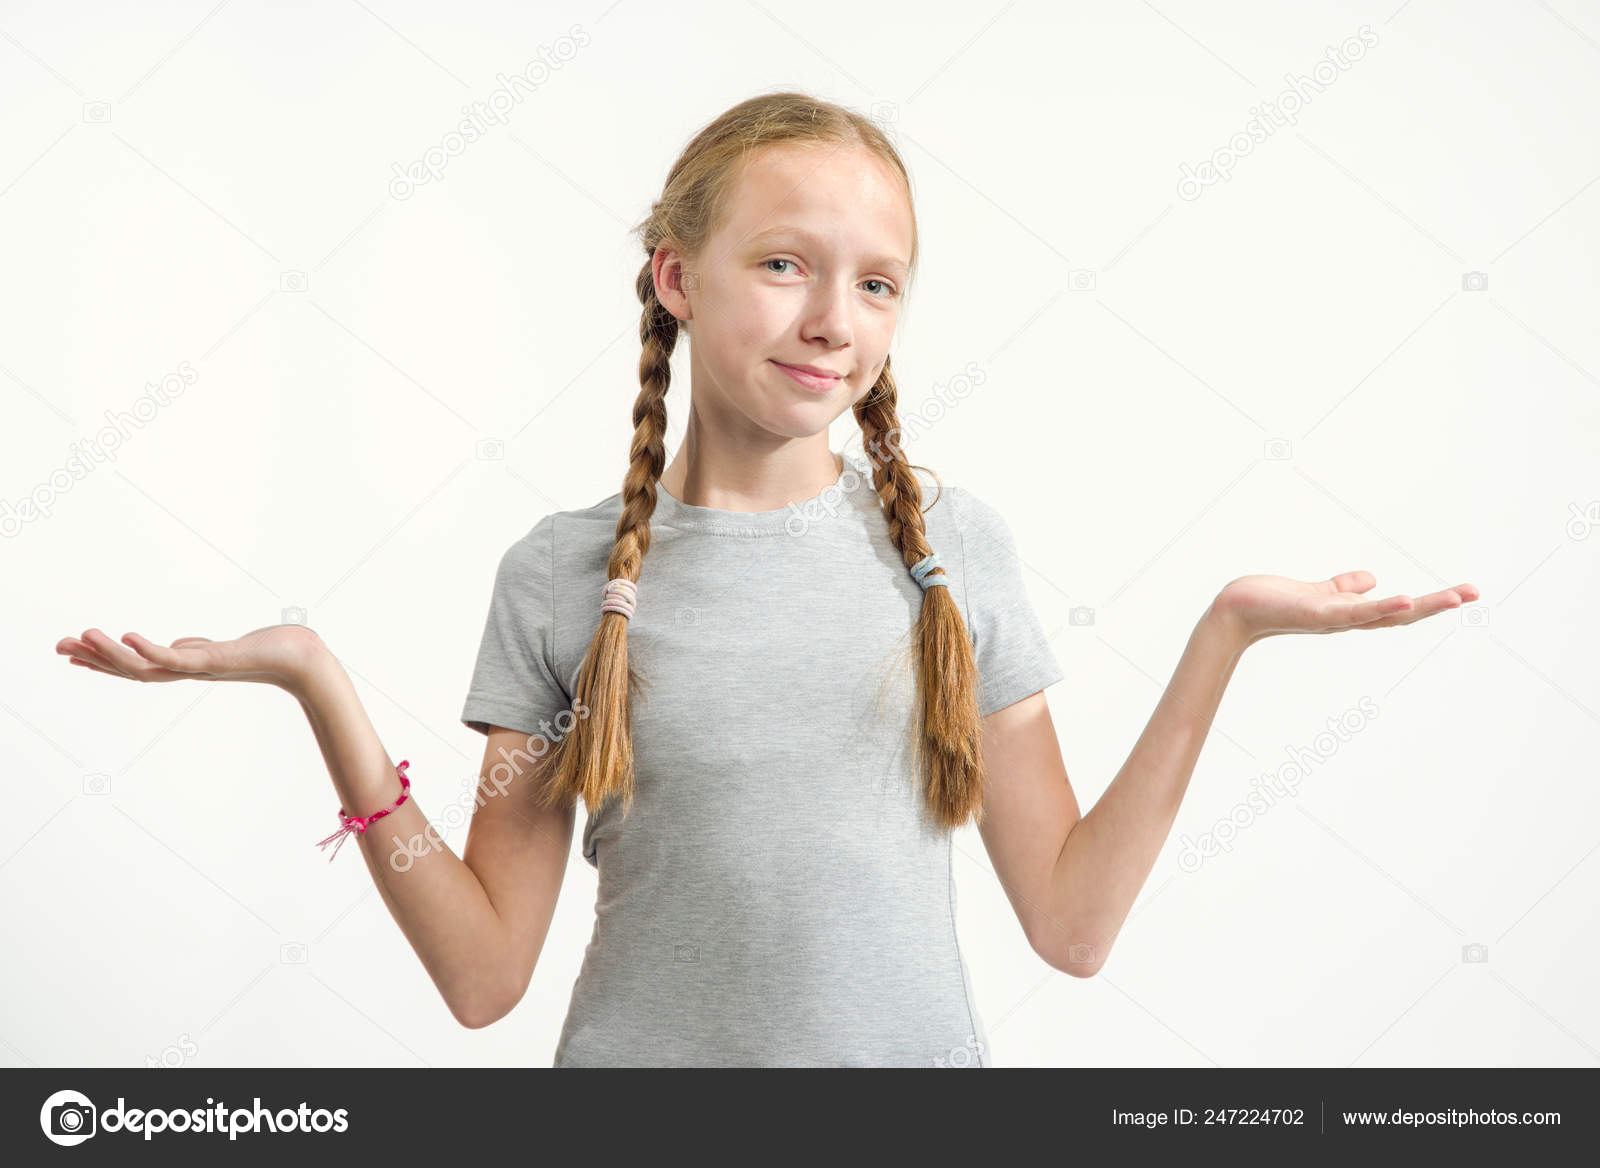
489	450
1081	615
687	953
293	282
1474	281
962	1056
68	1118
293	615
293	953
1081	280
1277	449
1583	520
97	783
883	111
97	112
1476	953
1475	616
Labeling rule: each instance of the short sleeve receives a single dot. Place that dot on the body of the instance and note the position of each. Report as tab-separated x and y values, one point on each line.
1014	657
514	681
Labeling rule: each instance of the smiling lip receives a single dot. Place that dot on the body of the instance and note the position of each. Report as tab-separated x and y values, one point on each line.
807	376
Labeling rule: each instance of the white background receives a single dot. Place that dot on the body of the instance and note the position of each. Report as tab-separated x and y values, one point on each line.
327	458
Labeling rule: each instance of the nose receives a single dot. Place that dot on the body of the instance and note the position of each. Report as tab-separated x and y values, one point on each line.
828	314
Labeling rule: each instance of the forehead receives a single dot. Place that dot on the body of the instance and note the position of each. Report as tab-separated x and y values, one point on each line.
840	193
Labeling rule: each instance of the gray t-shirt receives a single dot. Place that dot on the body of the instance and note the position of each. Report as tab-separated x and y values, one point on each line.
776	895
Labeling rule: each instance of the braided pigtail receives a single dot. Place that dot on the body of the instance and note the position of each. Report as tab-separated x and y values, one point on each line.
949	737
595	759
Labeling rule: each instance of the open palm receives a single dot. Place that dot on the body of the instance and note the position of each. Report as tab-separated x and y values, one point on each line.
275	655
1267	606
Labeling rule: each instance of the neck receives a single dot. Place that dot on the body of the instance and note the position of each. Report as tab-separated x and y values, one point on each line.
735	479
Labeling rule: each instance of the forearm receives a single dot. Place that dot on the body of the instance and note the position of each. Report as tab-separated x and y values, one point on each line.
1109	852
436	899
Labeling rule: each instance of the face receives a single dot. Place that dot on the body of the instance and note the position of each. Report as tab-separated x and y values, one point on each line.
807	269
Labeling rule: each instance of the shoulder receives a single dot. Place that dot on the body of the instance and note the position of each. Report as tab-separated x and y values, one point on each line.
953	511
564	540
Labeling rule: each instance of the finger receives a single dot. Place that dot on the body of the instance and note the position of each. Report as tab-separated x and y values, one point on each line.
90	665
73	647
84	648
1358	581
1357	614
178	660
1427	606
124	659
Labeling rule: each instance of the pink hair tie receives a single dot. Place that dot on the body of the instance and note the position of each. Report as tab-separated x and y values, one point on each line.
619	596
353	824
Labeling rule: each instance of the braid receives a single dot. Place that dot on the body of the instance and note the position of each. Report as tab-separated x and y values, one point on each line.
950	732
595	759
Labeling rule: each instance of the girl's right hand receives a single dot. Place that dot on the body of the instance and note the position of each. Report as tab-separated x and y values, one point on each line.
280	655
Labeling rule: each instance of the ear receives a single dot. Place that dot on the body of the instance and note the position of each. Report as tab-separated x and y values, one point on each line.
673	283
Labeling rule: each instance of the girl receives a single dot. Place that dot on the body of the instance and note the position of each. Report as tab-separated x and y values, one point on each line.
773	711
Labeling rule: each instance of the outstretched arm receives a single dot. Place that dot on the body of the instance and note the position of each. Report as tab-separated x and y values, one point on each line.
1073	879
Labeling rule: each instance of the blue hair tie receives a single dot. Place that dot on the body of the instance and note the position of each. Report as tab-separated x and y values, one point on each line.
920	570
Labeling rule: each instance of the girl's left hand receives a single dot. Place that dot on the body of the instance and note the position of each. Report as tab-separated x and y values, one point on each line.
1254	607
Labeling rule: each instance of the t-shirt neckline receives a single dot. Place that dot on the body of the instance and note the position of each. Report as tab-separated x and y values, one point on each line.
794	517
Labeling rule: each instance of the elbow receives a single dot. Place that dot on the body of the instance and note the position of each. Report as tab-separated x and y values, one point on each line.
488	1001
1064	946
1079	959
476	1017
485	1010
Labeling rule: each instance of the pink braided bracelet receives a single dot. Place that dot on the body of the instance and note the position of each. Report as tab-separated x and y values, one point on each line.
353	824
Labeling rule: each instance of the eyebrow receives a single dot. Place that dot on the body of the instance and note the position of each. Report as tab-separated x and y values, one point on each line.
764	237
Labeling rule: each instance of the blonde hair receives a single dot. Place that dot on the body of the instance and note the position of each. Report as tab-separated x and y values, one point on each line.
595	759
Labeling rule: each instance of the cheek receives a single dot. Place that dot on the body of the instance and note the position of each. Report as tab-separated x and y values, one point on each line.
742	325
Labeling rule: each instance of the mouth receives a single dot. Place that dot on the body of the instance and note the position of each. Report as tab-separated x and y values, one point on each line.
817	383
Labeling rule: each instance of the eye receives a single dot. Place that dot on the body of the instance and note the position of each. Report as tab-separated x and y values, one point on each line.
889	292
